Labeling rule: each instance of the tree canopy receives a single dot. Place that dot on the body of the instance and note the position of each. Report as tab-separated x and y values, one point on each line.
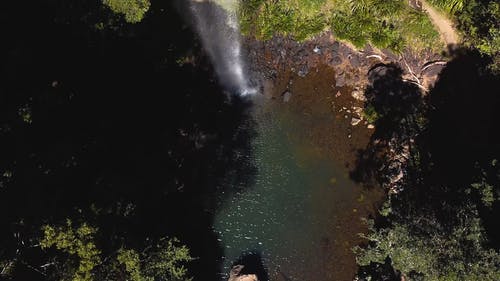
133	10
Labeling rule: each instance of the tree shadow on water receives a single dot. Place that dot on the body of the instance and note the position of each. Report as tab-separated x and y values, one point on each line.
106	126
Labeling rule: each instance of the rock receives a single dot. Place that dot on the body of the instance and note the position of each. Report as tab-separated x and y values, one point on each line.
355	121
377	72
358	110
286	96
390	55
235	274
303	71
335	46
358	95
433	70
336	60
398	177
340	80
355	61
370	126
338	94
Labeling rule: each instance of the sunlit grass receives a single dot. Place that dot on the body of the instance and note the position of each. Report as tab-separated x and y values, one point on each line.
388	24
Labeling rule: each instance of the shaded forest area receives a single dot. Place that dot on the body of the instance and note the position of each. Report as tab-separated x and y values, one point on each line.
440	222
110	144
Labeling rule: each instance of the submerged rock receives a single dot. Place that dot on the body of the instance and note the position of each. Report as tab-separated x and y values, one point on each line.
286	96
303	71
340	80
358	110
358	95
355	121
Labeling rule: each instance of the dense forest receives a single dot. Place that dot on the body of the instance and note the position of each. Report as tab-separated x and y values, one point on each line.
116	135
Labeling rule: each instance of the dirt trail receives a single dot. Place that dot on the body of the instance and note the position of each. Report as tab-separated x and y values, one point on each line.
443	24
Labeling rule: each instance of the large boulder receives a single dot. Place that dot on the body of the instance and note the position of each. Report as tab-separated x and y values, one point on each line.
236	274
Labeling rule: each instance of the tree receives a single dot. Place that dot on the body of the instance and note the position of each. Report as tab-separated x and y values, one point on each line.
78	243
133	10
163	261
433	254
441	223
78	258
480	21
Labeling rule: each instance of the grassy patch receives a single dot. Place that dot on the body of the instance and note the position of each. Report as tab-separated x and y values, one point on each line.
388	24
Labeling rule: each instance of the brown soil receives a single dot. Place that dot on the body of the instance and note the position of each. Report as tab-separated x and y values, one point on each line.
442	24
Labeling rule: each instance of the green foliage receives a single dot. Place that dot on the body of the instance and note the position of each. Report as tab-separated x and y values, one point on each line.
161	261
407	253
381	23
386	208
130	259
6	268
480	23
449	6
370	114
76	242
433	254
25	113
483	184
166	260
419	30
133	10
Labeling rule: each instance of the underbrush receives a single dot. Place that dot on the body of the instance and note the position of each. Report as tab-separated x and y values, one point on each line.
390	24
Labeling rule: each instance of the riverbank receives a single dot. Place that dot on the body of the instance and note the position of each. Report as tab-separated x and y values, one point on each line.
332	74
321	85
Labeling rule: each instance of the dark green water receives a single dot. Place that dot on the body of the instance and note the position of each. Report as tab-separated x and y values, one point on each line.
290	216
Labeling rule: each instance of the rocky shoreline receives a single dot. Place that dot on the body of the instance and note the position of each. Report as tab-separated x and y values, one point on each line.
281	61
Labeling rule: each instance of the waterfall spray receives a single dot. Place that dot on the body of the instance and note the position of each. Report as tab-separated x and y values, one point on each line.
217	25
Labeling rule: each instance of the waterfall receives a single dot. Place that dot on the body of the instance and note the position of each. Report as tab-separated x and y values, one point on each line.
217	25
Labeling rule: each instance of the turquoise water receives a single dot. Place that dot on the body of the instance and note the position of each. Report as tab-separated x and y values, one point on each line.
290	214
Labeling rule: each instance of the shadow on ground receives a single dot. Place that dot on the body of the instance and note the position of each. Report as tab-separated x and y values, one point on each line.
446	140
